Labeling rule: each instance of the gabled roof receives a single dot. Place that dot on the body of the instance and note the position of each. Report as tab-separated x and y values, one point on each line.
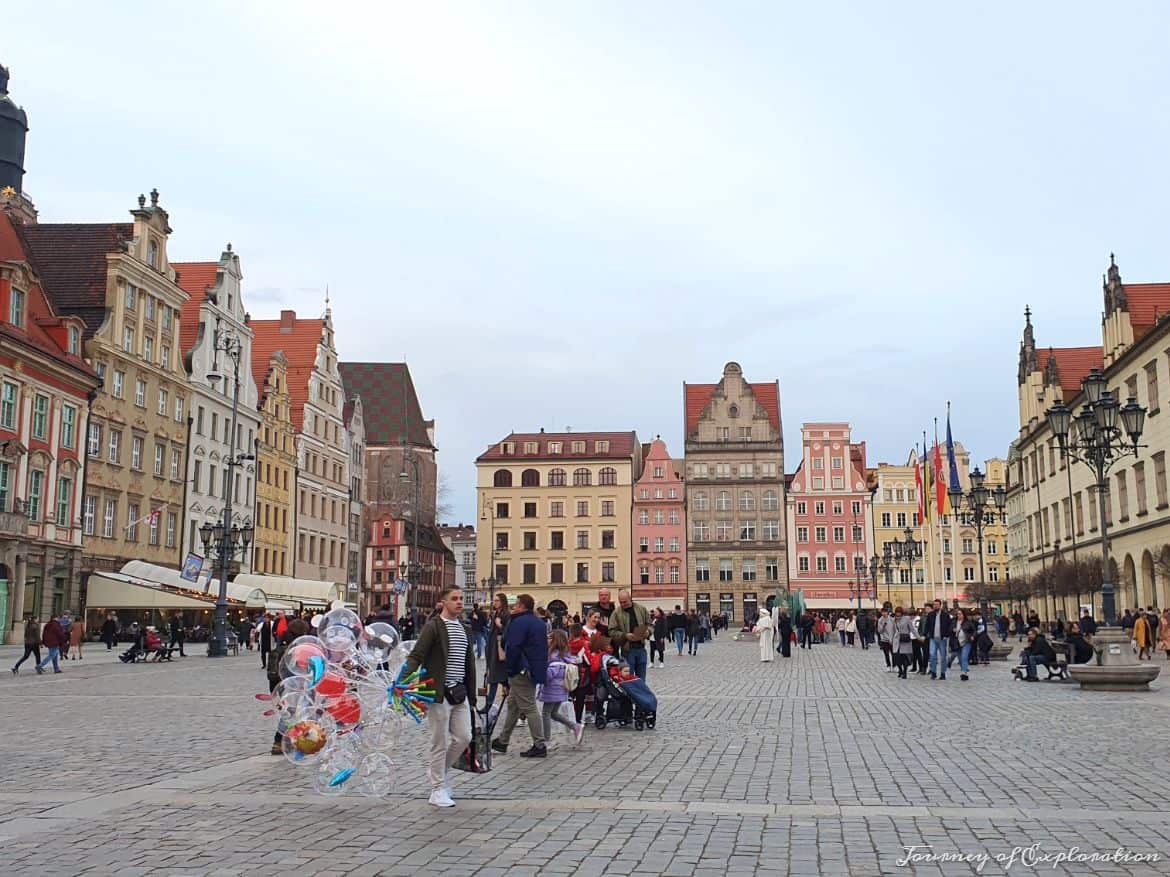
698	395
195	278
298	338
1073	364
70	259
1148	302
390	406
621	446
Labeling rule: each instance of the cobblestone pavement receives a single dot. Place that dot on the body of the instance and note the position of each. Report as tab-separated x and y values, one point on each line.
820	765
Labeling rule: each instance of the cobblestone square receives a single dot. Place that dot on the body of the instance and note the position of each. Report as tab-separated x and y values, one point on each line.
819	765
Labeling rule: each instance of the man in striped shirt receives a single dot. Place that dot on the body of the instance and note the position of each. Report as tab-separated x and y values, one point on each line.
444	649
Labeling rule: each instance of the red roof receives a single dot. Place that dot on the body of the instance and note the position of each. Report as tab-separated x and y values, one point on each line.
70	259
1072	364
390	406
298	338
621	446
1148	302
195	278
696	397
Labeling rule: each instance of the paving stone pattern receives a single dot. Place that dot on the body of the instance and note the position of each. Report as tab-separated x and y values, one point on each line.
820	765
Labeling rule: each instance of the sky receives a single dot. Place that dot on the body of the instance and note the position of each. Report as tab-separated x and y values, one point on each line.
558	213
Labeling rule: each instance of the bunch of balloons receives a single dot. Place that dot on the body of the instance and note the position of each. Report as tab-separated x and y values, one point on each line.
343	700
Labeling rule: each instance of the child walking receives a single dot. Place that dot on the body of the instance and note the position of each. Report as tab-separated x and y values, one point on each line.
554	692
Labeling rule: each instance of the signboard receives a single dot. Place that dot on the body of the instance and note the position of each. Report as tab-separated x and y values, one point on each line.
192	566
400	586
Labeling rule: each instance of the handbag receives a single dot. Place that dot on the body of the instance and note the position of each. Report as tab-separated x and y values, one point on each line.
477	757
455	694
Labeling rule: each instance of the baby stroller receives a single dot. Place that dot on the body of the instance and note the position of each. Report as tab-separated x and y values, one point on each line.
623	702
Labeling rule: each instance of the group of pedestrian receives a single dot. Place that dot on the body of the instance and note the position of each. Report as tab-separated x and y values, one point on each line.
1149	631
932	640
56	636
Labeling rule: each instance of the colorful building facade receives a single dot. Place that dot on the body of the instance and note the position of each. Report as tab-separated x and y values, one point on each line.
659	531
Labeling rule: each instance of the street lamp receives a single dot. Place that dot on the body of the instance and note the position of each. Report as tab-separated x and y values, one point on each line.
404	476
225	537
874	564
977	501
907	550
888	570
1094	438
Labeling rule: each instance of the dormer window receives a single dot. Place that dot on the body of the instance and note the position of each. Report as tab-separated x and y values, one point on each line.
554	447
508	448
733	411
152	253
16	308
75	341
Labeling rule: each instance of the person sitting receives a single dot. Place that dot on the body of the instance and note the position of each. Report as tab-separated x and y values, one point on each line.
136	648
154	645
1038	652
1080	649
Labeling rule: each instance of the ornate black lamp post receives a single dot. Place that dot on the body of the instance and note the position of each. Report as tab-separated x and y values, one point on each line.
887	568
1094	438
907	550
416	520
977	499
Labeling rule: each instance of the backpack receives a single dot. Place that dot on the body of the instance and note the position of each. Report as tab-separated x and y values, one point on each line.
572	677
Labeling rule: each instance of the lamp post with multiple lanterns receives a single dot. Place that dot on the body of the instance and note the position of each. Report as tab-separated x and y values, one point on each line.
907	550
1094	437
978	498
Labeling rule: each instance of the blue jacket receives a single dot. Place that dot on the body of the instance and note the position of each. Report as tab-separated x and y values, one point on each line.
526	647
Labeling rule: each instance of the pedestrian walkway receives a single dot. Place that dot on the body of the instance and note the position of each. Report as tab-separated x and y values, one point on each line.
822	764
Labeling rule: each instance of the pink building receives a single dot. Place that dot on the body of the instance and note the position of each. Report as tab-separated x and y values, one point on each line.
829	518
659	532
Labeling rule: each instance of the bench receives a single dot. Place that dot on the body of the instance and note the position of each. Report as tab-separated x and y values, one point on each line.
1059	671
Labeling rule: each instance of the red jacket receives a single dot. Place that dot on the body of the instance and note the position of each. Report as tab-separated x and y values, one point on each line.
53	637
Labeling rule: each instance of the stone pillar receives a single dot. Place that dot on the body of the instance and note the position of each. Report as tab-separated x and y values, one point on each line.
18	567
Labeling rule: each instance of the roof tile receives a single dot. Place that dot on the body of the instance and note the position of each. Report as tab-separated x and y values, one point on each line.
390	406
698	395
622	445
195	278
298	338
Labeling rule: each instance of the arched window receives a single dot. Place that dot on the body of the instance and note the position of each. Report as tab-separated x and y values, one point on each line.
530	478
747	500
502	478
723	501
701	502
556	478
608	475
770	500
582	478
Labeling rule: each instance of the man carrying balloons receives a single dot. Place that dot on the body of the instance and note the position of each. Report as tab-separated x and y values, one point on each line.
444	649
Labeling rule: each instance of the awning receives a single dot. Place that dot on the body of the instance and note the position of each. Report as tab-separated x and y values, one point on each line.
307	592
252	597
837	603
117	591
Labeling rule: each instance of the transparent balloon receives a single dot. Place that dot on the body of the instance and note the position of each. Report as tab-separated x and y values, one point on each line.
378	642
376	775
297	660
346	618
307	737
339	642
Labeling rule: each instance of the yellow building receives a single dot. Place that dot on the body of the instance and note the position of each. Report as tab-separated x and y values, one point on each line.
557	515
895	507
276	462
118	279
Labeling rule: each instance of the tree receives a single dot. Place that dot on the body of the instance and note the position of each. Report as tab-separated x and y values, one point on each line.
444	498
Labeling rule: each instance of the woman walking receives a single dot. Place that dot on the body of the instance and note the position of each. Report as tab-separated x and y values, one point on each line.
1164	633
851	629
962	641
1142	638
658	644
497	673
110	631
76	638
905	630
765	628
32	644
886	637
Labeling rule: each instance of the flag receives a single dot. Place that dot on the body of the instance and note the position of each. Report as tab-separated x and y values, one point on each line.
927	484
951	464
944	503
918	482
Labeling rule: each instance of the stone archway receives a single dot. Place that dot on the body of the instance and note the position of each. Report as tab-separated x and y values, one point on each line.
1148	593
1128	584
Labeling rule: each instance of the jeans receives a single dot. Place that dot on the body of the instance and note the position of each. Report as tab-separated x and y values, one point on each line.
938	655
551	712
886	649
35	651
680	635
963	654
522	702
1033	663
480	643
693	643
637	661
659	646
450	727
54	654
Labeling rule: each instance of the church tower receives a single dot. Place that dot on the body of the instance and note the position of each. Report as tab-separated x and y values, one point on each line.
13	128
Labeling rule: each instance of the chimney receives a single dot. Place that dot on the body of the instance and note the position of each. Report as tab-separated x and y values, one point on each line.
288	319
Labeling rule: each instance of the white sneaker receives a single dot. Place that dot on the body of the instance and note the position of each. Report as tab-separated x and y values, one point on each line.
441	798
578	731
889	669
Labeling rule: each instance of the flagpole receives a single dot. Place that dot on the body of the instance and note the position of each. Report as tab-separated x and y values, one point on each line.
929	488
940	508
953	481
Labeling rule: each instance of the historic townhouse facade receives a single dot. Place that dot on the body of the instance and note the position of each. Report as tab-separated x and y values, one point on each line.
117	278
659	527
276	468
322	476
895	507
355	448
460	538
737	546
214	311
45	388
1062	518
828	519
555	515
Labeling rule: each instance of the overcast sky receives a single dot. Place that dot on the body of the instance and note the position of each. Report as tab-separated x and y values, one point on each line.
558	215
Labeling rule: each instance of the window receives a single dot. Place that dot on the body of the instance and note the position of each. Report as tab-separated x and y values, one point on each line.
16	308
1159	484
659	472
89	513
149	305
819	507
128	340
554	447
722	531
838	483
196	474
36	488
501	511
839	563
818	483
531	448
1122	497
723	501
95	440
601	447
745	434
179	410
582	573
111	513
582	478
607	475
838	463
643	517
64	497
607	509
163	403
674	544
528	574
115	447
822	563
838	508
802	534
901	519
659	544
856	508
991	547
747	531
968	546
68	426
100	368
153	522
8	406
722	470
747	470
557	540
136	452
501	542
702	504
723	433
771	569
702	570
502	477
159	455
556	478
166	318
726	572
699	470
748	570
132	522
556	509
857	534
658	518
607	571
607	538
556	573
771	531
140	393
673	517
885	519
582	538
164	357
1139	486
838	534
582	508
968	573
148	349
747	500
802	563
802	508
700	531
822	534
770	502
818	464
529	540
530	510
530	478
119	382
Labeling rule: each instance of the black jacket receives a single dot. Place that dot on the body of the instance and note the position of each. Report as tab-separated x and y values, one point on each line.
946	627
1041	649
661	627
676	619
1082	652
784	623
